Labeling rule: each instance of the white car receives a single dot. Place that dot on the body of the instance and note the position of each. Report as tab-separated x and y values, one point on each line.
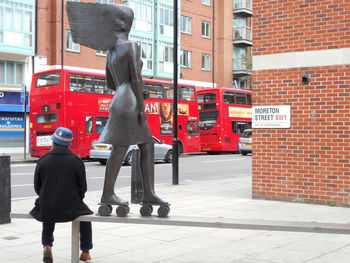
245	142
101	151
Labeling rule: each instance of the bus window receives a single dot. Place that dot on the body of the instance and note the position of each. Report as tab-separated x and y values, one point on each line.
89	124
240	98
155	91
192	128
48	79
208	119
100	86
229	97
249	99
187	93
249	125
208	97
238	127
47	118
100	123
81	83
169	92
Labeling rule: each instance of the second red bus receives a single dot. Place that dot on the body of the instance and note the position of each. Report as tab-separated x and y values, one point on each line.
224	114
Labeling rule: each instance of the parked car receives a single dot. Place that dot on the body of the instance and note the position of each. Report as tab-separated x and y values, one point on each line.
245	142
101	151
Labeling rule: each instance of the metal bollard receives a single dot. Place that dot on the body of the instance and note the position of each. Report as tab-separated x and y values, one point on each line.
5	189
136	181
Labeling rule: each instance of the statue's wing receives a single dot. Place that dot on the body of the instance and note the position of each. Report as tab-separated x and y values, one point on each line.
91	25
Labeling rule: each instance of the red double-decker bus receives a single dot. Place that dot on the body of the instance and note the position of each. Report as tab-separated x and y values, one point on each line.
80	101
223	116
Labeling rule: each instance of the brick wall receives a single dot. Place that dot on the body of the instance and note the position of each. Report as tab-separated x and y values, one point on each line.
287	26
195	42
309	162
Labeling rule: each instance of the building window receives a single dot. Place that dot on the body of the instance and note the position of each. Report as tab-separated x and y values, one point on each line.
206	2
166	20
146	51
73	0
143	11
101	53
166	57
206	62
205	29
16	27
70	45
185	59
186	25
105	1
11	73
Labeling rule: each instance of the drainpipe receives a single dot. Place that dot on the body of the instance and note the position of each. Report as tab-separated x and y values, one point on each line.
35	36
213	43
62	36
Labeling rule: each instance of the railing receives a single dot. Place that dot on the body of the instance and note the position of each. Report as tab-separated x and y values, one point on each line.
238	65
243	4
242	33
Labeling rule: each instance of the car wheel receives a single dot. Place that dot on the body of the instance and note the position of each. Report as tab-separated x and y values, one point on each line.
103	162
128	158
244	153
169	156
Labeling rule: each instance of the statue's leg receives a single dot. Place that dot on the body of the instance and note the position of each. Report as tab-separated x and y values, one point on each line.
147	173
114	163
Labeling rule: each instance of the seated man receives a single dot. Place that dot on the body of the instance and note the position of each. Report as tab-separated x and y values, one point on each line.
60	183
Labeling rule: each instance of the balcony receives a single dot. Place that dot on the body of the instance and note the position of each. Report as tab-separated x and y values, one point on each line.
242	36
243	8
240	68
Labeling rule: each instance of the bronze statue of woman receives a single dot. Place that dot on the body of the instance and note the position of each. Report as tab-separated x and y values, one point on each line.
107	27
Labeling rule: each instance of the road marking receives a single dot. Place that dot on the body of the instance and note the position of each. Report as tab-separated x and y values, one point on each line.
23	198
22	173
102	177
228	160
23	165
21	185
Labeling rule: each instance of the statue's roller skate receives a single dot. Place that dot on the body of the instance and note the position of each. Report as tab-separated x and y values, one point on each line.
106	208
147	209
148	203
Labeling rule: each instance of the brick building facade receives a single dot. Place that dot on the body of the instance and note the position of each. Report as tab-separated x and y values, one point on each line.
310	161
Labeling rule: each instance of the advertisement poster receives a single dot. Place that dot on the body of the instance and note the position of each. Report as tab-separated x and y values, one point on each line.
239	112
183	109
166	118
103	104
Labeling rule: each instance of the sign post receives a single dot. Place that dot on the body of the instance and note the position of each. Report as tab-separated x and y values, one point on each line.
175	144
24	101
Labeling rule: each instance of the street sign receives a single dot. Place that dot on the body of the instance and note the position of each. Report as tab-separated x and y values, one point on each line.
271	116
23	94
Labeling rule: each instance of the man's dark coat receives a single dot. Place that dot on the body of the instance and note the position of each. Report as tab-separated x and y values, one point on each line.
60	183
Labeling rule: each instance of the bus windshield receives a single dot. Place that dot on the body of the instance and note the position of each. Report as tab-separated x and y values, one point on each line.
208	119
48	79
207	97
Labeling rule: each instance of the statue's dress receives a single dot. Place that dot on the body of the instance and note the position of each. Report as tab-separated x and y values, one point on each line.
123	127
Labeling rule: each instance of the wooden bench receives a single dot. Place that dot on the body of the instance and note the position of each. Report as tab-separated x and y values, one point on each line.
229	223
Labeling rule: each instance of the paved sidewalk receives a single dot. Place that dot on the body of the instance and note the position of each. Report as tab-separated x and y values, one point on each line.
20	240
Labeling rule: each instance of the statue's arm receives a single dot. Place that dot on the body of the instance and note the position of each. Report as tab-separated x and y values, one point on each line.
110	82
136	79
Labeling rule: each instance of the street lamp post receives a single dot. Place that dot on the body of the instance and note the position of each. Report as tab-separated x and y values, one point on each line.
175	144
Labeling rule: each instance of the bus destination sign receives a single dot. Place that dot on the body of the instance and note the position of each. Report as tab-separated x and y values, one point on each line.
271	116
